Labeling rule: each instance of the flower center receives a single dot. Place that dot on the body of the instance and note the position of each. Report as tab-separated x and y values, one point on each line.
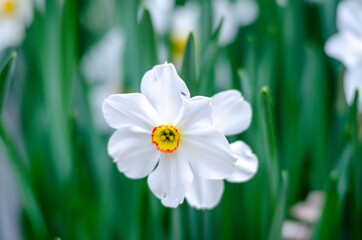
8	7
166	138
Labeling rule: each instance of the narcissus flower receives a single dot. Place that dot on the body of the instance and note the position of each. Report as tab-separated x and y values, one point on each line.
164	134
231	115
346	46
15	15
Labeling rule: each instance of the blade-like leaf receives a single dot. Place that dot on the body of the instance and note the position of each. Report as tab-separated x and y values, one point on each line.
6	71
188	72
245	84
270	141
147	43
329	223
208	56
279	213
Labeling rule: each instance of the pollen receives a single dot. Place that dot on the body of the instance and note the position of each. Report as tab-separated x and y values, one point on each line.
166	138
8	7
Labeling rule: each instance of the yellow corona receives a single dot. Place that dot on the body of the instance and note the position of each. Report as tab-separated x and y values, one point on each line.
166	138
8	7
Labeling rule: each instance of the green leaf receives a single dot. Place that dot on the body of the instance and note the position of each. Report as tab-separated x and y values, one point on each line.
147	43
328	226
29	201
356	159
6	71
245	83
188	71
56	93
270	142
216	34
209	53
279	213
353	118
313	116
342	171
176	224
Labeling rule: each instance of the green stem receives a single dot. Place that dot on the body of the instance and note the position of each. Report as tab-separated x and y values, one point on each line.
176	224
205	224
270	143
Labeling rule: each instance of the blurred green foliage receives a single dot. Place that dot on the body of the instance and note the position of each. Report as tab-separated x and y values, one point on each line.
69	187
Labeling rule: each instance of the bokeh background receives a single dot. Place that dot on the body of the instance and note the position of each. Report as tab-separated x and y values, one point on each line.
56	178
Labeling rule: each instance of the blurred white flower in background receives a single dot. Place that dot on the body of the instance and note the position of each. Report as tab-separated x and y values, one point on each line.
178	141
15	16
346	46
185	19
179	21
161	11
102	66
305	214
231	115
235	15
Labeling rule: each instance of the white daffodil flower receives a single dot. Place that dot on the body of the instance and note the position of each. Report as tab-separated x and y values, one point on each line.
346	46
231	115
102	66
235	14
15	16
165	135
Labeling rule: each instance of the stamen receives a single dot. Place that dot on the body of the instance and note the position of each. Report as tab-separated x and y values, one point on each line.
166	138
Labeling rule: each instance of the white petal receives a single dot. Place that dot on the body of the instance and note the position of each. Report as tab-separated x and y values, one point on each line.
133	151
26	12
245	12
129	109
11	34
164	90
204	193
349	16
171	179
195	113
345	47
353	81
208	152
231	114
247	164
